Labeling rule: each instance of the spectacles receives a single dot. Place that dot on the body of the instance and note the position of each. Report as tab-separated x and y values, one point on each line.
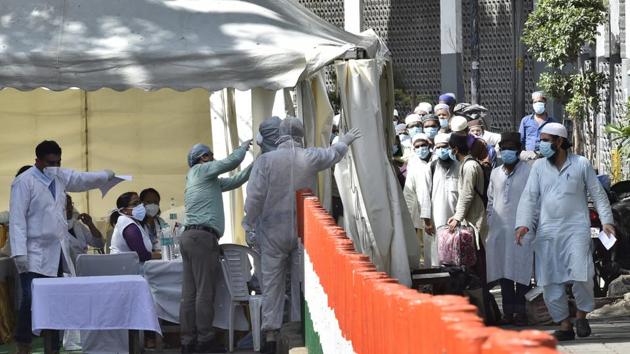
53	163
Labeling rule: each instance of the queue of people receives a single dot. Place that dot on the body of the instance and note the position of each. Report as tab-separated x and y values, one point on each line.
522	194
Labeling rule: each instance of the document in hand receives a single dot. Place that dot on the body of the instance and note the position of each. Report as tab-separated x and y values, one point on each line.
114	181
607	240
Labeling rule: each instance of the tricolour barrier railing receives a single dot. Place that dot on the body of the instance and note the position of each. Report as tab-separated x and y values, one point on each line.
353	308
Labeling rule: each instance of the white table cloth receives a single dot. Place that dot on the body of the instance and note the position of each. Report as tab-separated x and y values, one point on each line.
165	280
93	303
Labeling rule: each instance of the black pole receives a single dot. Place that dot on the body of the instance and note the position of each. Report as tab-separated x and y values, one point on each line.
474	51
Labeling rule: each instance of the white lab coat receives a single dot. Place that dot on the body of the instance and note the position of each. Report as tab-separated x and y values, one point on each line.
415	188
38	220
81	240
563	244
504	258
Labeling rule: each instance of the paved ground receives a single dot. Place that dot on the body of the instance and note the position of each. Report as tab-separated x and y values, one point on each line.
609	336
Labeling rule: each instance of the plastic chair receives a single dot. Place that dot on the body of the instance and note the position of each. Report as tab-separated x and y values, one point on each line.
126	263
237	270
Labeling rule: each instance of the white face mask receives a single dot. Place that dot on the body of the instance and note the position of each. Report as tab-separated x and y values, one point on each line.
152	209
51	172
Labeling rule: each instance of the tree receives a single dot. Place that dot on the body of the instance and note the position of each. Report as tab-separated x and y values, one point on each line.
621	149
555	33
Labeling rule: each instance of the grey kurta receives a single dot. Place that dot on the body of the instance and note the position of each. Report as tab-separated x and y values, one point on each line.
504	258
563	244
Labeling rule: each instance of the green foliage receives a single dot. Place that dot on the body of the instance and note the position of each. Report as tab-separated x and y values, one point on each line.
621	132
555	33
557	29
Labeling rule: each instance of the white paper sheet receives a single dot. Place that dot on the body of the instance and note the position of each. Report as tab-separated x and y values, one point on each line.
114	181
607	240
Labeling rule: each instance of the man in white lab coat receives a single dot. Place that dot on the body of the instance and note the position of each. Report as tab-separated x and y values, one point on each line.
554	207
506	262
439	201
39	226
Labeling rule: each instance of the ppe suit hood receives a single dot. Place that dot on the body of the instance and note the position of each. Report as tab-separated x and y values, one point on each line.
291	129
269	130
196	152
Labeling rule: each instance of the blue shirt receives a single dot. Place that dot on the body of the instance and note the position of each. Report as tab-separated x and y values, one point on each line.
530	131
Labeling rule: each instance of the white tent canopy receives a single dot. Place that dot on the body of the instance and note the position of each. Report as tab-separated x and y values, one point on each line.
179	44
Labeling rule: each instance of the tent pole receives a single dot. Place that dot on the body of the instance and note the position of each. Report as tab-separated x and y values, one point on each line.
84	115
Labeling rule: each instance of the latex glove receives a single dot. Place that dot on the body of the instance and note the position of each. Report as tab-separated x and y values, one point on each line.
246	144
21	263
520	233
528	155
349	137
110	174
250	238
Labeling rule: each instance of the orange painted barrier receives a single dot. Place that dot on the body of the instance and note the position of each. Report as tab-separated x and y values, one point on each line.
378	315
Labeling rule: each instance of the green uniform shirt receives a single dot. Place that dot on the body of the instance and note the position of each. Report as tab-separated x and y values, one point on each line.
202	198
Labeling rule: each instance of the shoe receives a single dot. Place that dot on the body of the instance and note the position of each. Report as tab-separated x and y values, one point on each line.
582	327
268	348
562	336
24	348
212	346
188	348
520	320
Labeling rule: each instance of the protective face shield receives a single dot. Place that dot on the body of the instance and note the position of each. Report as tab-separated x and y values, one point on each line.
431	132
443	153
509	156
539	107
138	212
422	152
51	172
152	209
414	130
547	149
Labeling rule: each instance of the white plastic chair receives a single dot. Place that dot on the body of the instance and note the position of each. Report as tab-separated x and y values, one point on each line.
238	270
125	263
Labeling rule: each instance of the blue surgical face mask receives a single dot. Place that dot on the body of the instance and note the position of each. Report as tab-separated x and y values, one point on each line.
443	153
452	155
431	132
423	152
539	107
139	212
395	149
509	156
546	149
444	123
414	130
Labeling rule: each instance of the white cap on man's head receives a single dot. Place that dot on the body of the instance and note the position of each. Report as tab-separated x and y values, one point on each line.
458	123
425	107
538	94
441	138
401	128
395	113
556	129
419	136
413	118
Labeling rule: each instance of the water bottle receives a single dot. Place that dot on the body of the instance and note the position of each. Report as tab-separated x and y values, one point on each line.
164	241
175	229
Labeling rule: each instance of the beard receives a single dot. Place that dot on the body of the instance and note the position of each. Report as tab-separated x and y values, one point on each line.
445	163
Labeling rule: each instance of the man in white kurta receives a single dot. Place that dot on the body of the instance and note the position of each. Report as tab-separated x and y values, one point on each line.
556	195
414	188
506	262
39	226
439	202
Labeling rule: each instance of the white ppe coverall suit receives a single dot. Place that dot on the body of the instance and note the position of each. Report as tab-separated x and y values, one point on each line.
270	208
554	205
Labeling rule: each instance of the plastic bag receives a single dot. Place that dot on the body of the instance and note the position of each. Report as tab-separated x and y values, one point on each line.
456	248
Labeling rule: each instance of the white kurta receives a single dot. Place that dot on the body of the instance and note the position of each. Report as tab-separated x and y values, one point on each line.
437	202
38	219
504	258
563	244
439	205
414	188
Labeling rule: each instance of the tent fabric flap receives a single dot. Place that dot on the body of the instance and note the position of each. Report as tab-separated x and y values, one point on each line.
178	44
